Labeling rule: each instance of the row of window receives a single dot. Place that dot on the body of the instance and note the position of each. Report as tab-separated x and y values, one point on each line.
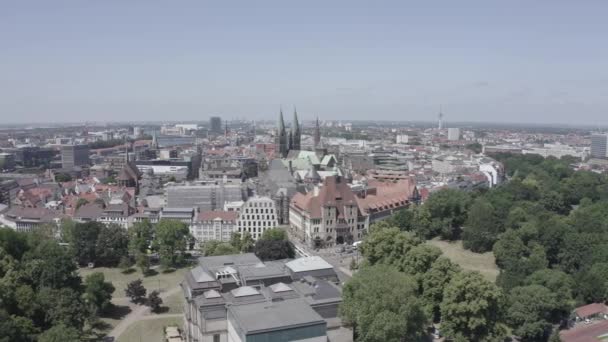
258	211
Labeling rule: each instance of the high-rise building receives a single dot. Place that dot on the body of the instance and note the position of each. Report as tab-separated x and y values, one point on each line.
599	142
440	120
453	134
216	124
74	155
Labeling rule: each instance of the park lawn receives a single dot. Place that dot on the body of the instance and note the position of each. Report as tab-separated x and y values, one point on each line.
160	281
149	330
484	263
174	303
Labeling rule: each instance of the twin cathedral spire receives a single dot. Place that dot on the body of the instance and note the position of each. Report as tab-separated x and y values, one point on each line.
291	140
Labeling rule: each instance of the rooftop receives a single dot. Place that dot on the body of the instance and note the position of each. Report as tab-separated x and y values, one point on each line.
265	316
311	263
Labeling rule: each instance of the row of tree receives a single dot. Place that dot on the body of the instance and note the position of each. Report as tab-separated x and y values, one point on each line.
112	245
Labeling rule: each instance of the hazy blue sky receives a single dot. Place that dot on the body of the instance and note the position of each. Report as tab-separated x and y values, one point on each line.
508	61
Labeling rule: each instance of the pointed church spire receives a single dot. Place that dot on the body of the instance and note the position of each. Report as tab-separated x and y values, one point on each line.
282	144
296	134
317	135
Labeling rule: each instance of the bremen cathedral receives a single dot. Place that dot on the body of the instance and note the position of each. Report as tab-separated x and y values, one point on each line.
285	141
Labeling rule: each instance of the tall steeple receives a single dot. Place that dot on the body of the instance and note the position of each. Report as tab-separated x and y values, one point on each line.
296	134
317	135
126	151
281	138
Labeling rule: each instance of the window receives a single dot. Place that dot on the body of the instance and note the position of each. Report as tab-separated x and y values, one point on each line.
216	337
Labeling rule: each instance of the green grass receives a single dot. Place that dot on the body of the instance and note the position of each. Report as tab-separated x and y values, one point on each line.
149	330
161	281
174	303
484	263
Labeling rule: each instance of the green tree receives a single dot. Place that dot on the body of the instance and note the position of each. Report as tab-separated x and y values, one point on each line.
171	238
140	237
449	208
154	301
224	248
274	249
81	202
471	309
382	305
112	245
482	227
247	243
83	240
60	333
419	259
236	240
434	282
63	306
136	291
529	312
388	246
16	328
274	234
98	291
561	285
143	262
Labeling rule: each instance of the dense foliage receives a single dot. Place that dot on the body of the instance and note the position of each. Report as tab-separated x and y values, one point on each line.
547	226
41	295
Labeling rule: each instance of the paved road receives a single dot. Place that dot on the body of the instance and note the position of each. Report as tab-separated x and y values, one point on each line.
139	312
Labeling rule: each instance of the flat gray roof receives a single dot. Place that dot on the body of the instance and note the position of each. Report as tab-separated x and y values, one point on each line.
268	316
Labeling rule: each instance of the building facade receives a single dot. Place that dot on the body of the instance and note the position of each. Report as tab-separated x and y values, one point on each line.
213	225
327	215
257	215
599	144
74	155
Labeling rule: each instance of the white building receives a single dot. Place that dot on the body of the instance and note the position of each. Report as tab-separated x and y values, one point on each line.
213	225
257	215
402	139
453	134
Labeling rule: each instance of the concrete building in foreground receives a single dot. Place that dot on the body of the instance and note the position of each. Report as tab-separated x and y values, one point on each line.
238	298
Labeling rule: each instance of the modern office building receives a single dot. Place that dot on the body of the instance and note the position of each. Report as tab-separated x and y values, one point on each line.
599	143
257	215
453	134
215	123
74	155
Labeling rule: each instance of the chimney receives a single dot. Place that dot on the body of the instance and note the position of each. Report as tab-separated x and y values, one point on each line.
290	167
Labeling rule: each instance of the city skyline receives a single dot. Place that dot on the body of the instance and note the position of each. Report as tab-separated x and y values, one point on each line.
519	62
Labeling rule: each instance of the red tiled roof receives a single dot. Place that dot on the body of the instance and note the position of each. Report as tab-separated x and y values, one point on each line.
590	310
212	215
585	333
334	193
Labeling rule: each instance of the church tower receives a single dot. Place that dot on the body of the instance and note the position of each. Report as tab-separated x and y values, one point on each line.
281	138
296	134
317	135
